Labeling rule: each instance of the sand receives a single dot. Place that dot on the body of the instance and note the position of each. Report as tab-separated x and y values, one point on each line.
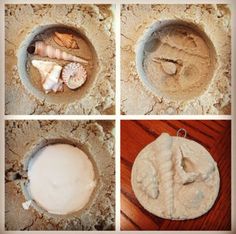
176	59
94	27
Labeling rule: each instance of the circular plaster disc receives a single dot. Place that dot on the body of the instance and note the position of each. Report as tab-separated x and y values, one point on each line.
61	178
175	178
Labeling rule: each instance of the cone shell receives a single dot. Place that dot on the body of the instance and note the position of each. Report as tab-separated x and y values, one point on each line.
165	168
45	50
74	75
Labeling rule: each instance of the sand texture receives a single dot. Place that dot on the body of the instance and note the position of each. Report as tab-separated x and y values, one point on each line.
176	59
94	24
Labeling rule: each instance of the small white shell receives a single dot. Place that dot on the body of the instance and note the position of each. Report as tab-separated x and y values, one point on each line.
50	74
74	75
169	67
26	205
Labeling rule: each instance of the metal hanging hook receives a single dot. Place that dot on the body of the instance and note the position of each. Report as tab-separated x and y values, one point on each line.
184	133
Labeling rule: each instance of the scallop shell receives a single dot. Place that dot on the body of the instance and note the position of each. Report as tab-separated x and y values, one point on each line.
50	74
147	178
65	40
165	166
74	75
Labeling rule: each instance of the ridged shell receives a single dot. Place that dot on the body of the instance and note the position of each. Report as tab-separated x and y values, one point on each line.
74	75
165	168
147	178
66	40
44	50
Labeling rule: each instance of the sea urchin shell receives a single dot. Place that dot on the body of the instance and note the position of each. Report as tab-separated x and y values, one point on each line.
74	75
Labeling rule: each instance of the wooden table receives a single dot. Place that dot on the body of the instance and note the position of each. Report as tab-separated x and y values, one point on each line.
214	135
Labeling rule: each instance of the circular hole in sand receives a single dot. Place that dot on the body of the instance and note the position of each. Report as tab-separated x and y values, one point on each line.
61	178
31	77
175	60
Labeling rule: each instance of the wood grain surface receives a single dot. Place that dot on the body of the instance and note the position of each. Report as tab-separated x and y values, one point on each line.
214	135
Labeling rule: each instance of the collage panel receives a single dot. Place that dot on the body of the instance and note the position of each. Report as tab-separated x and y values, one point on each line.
175	59
59	59
59	175
79	149
175	175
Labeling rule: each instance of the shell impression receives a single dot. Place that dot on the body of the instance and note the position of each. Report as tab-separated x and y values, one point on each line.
74	75
44	50
175	178
50	74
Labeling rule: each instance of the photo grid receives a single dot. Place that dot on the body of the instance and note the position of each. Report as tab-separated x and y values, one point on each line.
117	117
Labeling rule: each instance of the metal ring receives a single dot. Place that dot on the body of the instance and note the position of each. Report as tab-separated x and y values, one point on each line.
182	130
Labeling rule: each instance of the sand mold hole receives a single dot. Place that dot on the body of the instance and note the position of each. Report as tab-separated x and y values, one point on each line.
176	60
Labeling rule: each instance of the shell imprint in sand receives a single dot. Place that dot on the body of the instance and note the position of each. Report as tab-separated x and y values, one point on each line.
175	178
50	73
74	75
61	178
65	39
178	61
42	49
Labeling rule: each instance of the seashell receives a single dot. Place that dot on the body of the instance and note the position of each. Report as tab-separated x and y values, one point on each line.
164	161
65	39
169	67
74	75
50	73
26	205
204	170
147	178
44	50
186	177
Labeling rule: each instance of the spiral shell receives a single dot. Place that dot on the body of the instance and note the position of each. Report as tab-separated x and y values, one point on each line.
164	160
44	50
74	75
